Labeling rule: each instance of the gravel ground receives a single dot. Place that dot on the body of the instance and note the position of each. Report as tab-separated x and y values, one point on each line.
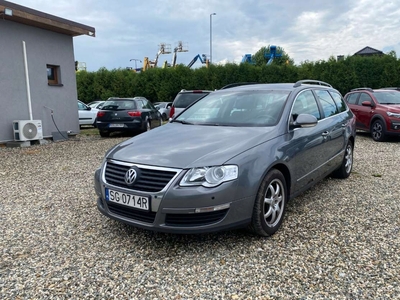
339	240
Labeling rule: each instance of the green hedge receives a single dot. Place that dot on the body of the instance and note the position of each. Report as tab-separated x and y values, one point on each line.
160	84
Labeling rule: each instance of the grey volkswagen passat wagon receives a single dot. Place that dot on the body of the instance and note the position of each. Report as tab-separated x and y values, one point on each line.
232	159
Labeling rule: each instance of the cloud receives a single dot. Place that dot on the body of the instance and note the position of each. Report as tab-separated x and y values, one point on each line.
306	30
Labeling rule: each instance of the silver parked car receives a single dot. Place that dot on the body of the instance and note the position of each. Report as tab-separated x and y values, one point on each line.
164	108
232	159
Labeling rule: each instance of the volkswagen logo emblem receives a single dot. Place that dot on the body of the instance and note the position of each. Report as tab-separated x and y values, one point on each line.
130	176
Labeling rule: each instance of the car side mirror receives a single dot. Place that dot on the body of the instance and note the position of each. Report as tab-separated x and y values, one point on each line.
366	103
305	121
89	108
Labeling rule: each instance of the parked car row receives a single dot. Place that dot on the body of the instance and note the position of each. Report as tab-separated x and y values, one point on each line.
233	158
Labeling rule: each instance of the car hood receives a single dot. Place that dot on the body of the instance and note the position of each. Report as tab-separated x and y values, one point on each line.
392	107
185	146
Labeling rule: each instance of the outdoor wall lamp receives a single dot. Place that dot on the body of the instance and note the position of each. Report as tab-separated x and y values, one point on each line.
6	12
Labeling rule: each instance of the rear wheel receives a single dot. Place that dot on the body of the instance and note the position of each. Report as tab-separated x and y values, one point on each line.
104	133
378	131
347	164
270	204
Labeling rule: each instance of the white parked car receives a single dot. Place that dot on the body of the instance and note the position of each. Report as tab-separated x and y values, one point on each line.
87	115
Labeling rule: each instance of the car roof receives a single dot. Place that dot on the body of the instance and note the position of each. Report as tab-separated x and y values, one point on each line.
306	83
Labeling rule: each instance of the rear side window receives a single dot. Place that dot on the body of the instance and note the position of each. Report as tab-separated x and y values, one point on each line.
183	100
352	98
340	104
328	105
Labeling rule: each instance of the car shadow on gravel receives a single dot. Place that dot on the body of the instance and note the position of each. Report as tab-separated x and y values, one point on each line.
160	238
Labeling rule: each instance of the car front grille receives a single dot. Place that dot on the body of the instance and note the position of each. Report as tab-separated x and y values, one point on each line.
150	180
131	213
193	220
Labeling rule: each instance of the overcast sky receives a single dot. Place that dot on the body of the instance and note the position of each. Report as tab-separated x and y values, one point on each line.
307	29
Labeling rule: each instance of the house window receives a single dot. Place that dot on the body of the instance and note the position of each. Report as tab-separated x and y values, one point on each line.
53	75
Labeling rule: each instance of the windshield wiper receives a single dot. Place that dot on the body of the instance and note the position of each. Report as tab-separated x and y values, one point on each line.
182	122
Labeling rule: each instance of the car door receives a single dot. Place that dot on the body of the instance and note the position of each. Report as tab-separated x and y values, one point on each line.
85	114
305	145
154	115
364	113
334	123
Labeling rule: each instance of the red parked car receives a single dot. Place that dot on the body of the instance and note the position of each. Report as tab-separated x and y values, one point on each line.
377	111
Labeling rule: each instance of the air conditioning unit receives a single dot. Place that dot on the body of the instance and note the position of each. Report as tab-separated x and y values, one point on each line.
27	130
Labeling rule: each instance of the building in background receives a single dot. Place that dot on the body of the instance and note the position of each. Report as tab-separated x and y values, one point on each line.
37	70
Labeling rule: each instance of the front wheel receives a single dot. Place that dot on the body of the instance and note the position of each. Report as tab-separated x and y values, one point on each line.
270	204
378	131
347	164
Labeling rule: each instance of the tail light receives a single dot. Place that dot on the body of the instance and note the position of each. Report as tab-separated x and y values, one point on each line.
101	114
172	111
134	113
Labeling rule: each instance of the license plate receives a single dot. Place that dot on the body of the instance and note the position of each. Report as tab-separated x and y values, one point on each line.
117	125
130	200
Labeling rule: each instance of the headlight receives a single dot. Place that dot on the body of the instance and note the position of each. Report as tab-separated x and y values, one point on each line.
209	176
392	114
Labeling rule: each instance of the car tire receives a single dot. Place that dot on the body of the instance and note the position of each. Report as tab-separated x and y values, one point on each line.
164	117
270	204
104	133
378	131
94	123
347	164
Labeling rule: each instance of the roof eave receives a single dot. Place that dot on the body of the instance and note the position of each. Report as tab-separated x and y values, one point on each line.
31	17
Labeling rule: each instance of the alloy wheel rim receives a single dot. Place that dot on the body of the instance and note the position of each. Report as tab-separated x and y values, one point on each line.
377	131
274	200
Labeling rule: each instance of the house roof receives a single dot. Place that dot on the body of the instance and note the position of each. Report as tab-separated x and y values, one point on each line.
31	17
368	51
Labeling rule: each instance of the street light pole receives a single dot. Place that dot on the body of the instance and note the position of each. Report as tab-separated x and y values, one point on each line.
136	60
213	14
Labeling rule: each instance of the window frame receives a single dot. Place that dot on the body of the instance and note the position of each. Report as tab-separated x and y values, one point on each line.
54	78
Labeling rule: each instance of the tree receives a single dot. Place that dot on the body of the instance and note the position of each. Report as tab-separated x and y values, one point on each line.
260	59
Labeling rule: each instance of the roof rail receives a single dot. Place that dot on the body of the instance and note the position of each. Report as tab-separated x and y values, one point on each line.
310	81
362	89
237	84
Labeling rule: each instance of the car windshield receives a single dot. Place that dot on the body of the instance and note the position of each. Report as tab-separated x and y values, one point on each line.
119	105
237	108
183	100
392	97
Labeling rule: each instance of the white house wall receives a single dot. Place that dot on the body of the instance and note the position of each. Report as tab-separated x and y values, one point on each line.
43	47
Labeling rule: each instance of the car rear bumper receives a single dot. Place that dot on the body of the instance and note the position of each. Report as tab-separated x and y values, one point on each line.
127	126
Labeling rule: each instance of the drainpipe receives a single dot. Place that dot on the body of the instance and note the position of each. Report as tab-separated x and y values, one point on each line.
28	89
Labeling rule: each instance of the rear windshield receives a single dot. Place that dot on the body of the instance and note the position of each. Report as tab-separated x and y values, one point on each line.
119	105
185	99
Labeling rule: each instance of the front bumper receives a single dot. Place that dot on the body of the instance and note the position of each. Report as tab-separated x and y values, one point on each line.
182	210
